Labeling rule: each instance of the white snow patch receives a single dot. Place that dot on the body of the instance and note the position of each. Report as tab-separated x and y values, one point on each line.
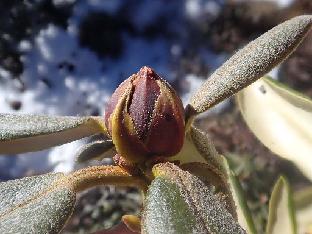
62	78
70	92
283	3
64	156
194	83
201	10
280	3
274	73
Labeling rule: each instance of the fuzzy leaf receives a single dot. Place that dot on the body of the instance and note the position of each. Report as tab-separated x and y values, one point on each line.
281	119
38	204
198	147
179	202
281	210
243	213
42	204
26	133
200	158
216	181
96	150
250	63
303	204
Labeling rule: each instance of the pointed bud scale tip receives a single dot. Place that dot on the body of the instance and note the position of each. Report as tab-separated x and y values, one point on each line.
252	62
145	117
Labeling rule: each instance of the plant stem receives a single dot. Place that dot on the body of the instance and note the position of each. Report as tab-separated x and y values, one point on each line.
104	175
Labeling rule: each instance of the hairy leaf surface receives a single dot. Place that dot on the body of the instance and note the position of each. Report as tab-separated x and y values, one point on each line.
199	148
179	202
250	63
27	133
38	204
200	158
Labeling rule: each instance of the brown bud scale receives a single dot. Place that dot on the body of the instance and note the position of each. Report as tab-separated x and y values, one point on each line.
145	117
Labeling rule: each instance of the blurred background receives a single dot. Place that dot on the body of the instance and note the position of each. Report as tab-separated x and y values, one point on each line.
66	57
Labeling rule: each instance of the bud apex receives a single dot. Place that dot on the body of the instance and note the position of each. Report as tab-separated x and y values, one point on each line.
145	117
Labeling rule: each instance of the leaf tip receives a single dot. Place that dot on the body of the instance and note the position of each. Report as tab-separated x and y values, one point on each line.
250	63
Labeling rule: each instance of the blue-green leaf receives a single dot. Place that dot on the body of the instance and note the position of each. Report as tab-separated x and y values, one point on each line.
179	202
250	63
38	204
26	133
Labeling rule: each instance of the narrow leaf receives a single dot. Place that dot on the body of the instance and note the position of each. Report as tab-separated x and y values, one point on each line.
303	204
178	202
281	119
244	215
26	133
31	205
43	204
96	150
198	147
281	210
250	63
199	157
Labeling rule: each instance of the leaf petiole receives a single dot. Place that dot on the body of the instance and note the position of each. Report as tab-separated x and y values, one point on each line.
103	175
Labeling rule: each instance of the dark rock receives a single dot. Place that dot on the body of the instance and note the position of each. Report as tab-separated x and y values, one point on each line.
16	105
101	33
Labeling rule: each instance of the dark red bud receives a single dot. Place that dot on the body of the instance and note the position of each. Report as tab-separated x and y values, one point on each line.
145	117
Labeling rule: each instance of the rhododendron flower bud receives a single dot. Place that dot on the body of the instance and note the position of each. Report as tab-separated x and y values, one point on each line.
145	117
